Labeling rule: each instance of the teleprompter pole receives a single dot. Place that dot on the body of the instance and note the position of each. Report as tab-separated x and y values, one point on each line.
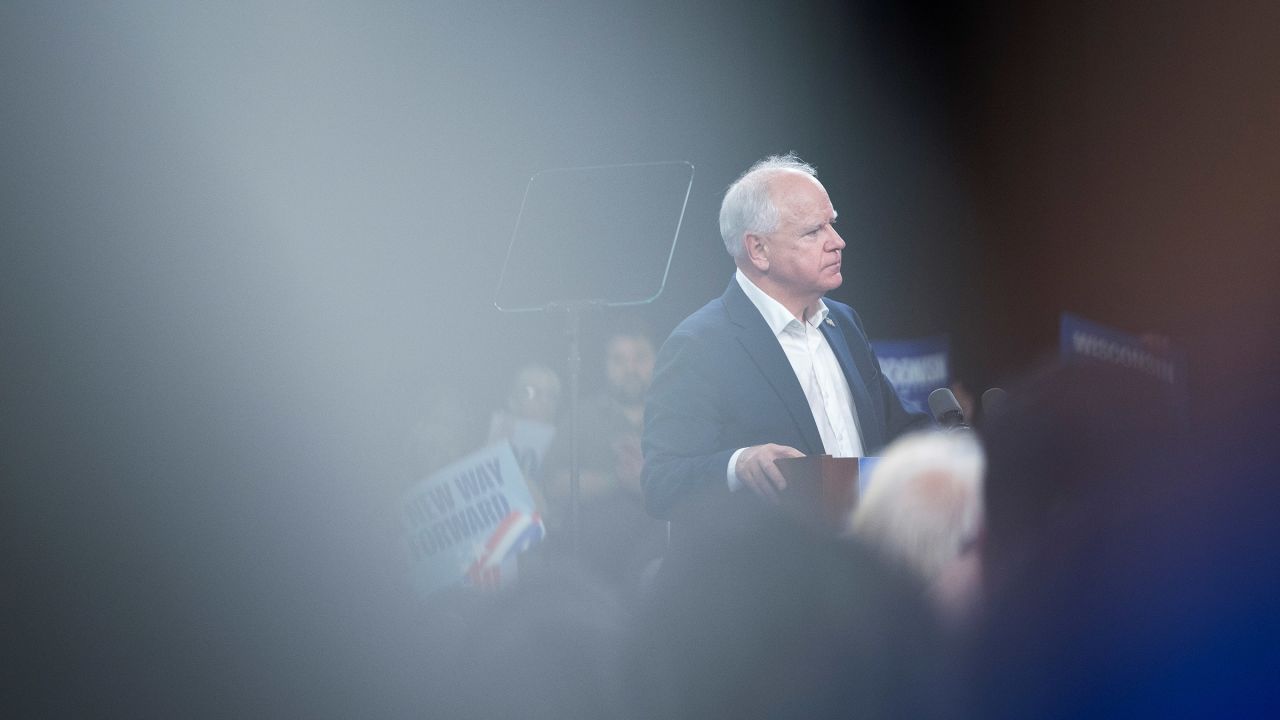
574	330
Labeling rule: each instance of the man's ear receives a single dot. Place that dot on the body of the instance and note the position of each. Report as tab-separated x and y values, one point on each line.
757	252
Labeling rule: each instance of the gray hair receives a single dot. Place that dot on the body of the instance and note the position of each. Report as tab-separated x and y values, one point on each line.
923	505
748	207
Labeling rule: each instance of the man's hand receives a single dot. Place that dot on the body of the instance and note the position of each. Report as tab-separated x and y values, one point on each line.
755	469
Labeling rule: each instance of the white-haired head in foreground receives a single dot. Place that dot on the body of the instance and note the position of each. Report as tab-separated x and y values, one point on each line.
748	206
923	507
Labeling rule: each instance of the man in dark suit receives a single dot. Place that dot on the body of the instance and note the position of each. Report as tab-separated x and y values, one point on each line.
770	369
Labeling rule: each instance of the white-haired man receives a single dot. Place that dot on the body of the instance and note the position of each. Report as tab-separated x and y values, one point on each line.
770	369
923	509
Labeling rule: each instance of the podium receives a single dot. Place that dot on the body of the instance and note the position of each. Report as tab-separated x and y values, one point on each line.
822	491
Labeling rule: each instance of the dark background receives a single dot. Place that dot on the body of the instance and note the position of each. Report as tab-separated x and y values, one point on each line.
245	246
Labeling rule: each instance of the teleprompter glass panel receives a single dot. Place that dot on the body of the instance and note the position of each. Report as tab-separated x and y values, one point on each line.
595	235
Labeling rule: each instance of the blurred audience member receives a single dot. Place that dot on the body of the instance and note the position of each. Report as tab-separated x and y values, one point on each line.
450	426
534	396
1132	572
446	428
923	508
629	370
551	647
610	423
767	619
619	539
1072	437
527	422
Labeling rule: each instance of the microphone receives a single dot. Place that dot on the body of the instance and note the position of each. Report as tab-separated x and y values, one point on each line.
993	402
945	409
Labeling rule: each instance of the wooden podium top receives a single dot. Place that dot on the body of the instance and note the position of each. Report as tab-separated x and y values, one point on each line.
821	489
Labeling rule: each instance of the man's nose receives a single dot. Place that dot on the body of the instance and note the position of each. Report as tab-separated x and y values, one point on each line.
837	242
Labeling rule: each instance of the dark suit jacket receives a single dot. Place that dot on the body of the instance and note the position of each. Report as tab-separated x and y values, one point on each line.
723	382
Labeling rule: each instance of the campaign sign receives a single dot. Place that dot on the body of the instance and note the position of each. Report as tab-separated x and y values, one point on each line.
915	368
465	524
1082	340
529	441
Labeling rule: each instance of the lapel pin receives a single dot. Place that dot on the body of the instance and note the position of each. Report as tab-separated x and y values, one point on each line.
829	322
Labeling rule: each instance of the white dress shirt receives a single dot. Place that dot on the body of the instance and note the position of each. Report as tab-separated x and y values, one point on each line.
819	373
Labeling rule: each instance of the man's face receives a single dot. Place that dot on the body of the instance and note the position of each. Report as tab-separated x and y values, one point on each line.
804	251
629	366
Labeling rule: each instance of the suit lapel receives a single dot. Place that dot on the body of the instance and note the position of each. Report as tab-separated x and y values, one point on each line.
857	388
763	349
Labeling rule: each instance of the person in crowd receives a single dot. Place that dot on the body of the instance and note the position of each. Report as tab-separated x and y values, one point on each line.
1131	567
534	395
552	647
619	539
609	423
629	357
446	428
774	619
527	422
770	369
450	424
1067	437
923	508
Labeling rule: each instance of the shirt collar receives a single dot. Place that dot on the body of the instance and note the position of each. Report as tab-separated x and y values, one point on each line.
775	315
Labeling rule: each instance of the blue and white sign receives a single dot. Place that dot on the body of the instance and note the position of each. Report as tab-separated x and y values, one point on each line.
466	523
1085	340
915	368
529	440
